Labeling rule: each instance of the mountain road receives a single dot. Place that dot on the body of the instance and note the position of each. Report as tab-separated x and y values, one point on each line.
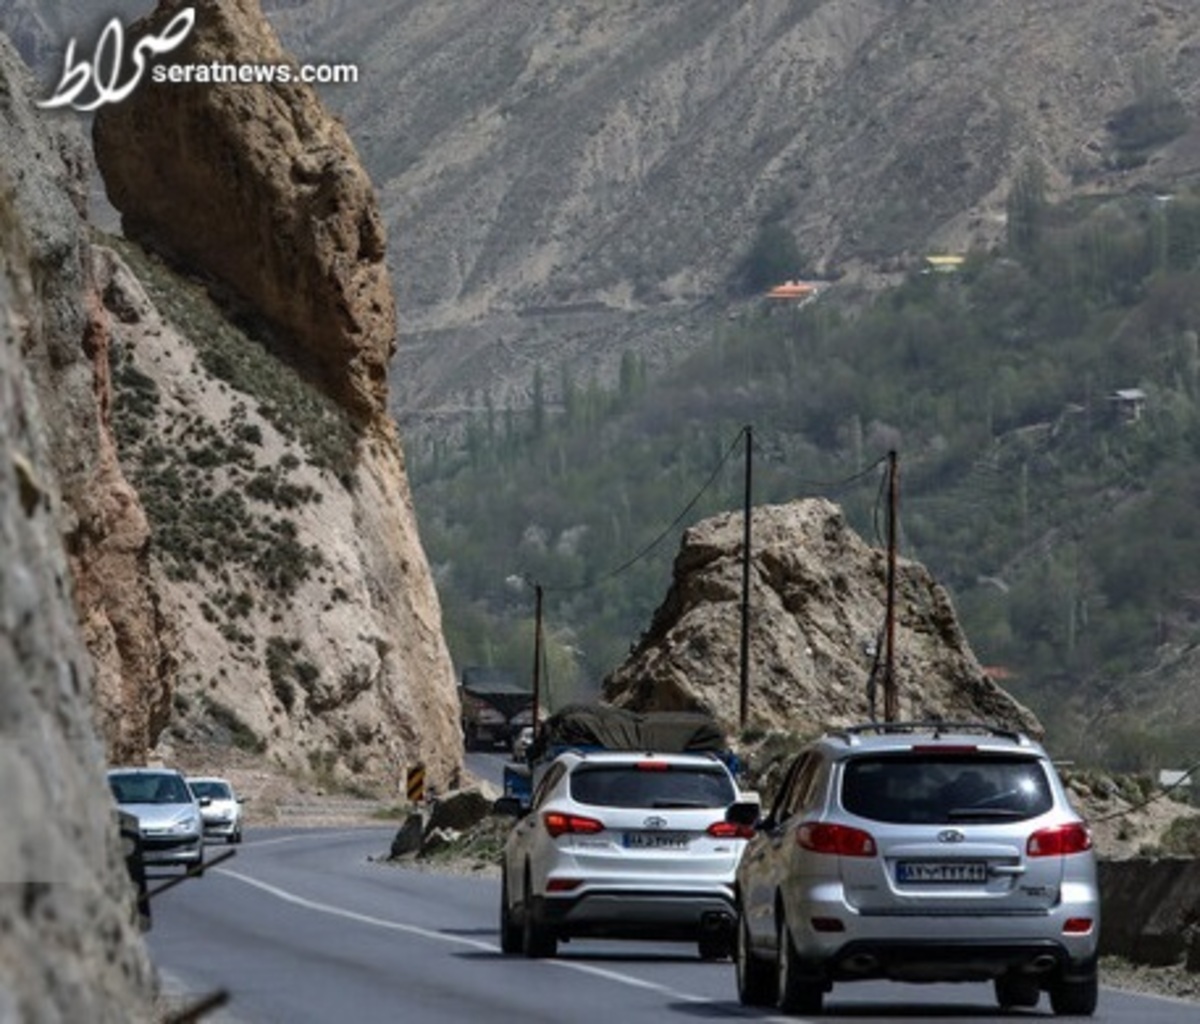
310	926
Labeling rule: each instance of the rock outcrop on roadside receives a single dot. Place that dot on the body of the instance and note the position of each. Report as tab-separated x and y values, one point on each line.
818	597
72	545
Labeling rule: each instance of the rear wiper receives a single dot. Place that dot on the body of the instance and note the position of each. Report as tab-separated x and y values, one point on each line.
680	805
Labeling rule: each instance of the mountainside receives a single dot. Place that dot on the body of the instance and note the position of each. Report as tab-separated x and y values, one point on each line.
251	413
243	547
69	943
573	180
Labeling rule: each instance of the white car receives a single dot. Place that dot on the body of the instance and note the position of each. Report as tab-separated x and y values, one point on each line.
619	844
167	811
220	807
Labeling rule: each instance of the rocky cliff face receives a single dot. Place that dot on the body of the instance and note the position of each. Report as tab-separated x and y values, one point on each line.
251	414
69	949
818	604
261	189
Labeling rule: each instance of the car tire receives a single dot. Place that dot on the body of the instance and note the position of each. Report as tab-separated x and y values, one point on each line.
1015	991
1075	998
798	992
511	939
757	981
537	941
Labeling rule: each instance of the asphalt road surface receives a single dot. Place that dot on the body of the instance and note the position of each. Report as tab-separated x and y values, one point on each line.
312	926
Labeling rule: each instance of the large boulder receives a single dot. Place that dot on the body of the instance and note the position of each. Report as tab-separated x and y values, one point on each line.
818	598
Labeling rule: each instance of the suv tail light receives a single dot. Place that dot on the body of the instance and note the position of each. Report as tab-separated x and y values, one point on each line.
653	766
728	830
1060	841
841	840
558	824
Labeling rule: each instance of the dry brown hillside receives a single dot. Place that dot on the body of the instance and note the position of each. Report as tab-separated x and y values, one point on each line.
578	178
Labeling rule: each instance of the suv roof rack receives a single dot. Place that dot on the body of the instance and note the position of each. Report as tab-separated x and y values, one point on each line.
935	726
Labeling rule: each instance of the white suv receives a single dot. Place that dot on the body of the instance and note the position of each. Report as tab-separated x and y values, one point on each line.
618	844
919	852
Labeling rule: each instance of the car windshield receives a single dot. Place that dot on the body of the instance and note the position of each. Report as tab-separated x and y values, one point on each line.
939	789
149	789
210	788
661	786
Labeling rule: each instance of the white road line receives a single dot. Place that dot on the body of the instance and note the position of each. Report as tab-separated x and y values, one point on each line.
454	940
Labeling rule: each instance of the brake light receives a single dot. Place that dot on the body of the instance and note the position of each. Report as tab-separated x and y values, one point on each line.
728	830
652	766
1077	926
842	840
563	884
558	824
1060	841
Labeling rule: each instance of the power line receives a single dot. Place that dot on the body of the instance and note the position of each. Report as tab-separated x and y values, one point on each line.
629	563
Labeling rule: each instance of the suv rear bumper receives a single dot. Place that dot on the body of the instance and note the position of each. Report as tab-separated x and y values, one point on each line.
951	961
662	916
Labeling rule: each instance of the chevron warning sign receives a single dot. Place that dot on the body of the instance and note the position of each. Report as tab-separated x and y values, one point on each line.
416	784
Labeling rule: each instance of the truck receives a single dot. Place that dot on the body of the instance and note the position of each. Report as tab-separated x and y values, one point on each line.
495	706
604	727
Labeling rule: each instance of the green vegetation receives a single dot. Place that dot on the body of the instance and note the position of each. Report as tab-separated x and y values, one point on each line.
1062	521
1182	838
212	501
230	728
242	359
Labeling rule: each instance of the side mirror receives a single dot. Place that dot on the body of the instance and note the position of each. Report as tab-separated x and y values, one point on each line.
510	806
744	812
204	801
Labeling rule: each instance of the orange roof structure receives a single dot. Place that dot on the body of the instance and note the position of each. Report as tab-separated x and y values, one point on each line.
793	290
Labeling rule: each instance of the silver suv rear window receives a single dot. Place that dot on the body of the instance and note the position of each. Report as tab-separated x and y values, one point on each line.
660	786
939	789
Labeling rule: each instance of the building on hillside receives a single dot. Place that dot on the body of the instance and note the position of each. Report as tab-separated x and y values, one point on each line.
1175	781
944	264
1128	404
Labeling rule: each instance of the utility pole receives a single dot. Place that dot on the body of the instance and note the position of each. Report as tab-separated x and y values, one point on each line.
537	657
744	659
890	699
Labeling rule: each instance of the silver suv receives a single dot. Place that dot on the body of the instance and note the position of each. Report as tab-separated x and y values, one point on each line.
919	852
621	844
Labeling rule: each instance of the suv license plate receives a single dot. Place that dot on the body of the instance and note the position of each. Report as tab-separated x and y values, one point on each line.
656	840
935	872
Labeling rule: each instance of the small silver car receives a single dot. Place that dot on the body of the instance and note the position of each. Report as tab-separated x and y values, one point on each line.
620	844
220	807
167	811
919	852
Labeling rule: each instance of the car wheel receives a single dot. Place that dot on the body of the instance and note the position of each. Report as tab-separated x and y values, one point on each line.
756	978
510	931
1075	998
1014	991
538	941
797	992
